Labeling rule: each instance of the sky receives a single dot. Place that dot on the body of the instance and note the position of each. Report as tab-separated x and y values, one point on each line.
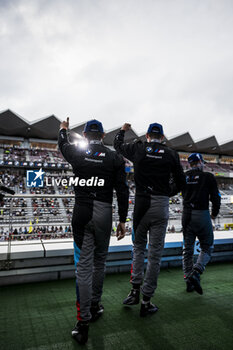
136	61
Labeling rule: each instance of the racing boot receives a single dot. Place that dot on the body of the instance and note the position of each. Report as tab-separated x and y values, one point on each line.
96	310
189	286
80	332
194	279
147	308
133	297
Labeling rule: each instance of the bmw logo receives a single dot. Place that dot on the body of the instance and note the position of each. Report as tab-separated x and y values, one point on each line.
88	152
149	149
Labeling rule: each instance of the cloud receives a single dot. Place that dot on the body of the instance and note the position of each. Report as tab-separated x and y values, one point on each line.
136	61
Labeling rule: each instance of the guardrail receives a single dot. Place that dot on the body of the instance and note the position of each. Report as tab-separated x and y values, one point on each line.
49	260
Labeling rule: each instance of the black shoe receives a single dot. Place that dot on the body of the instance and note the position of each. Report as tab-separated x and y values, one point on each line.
96	311
80	332
148	309
132	298
195	281
189	286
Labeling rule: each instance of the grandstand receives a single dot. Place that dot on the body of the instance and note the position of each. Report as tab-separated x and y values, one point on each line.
25	145
43	213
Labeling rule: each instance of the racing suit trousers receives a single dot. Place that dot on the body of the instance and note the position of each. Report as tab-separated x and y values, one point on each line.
155	221
196	223
90	259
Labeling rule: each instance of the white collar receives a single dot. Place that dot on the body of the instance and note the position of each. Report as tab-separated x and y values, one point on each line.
155	140
95	142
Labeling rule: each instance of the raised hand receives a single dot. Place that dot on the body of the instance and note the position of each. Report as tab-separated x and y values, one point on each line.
126	127
65	124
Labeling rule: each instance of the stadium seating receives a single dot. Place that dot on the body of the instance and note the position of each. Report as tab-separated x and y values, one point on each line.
59	210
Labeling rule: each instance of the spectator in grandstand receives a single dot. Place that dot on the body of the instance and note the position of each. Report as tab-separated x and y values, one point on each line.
154	163
92	217
13	179
2	236
196	221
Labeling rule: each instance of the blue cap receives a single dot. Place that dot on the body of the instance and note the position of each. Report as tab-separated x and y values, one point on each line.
93	126
155	128
195	157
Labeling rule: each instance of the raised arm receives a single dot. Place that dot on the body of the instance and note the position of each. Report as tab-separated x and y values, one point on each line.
65	147
126	149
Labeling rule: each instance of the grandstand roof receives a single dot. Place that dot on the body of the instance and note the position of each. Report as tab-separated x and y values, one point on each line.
46	128
110	135
183	142
227	148
208	145
11	124
78	129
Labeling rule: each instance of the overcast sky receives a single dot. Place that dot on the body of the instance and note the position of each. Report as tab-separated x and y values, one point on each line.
121	60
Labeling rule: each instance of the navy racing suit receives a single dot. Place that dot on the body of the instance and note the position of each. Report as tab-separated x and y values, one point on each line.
155	165
92	214
201	187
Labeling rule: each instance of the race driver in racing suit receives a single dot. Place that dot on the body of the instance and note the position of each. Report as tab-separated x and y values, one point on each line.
201	187
92	217
154	166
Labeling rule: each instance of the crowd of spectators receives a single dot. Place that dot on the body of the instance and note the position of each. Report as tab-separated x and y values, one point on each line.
37	232
19	208
42	190
13	179
45	189
14	153
65	189
68	204
45	206
57	156
51	210
38	155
